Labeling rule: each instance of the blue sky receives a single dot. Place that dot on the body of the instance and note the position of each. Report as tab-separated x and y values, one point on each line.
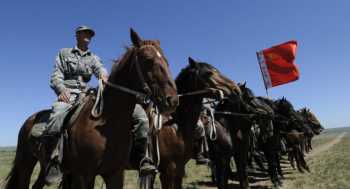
226	34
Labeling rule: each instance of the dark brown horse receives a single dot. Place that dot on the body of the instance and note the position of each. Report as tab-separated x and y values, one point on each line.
313	124
293	132
176	136
101	146
234	121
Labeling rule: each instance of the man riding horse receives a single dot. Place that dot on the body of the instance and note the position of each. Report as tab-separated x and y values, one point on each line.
72	72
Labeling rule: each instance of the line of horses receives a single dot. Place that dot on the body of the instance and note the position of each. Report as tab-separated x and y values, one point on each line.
245	126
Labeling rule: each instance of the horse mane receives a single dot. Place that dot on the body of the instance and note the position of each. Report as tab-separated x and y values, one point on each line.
284	102
120	63
311	116
182	78
245	89
187	74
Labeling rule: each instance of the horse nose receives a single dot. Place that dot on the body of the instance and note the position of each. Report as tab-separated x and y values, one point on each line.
172	101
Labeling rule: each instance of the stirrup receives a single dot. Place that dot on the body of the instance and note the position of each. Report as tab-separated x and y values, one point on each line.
147	167
53	173
202	160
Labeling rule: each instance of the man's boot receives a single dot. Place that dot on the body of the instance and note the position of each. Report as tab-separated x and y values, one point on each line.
53	169
200	153
145	163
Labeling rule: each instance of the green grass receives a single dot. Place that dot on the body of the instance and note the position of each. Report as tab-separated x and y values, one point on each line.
194	174
330	169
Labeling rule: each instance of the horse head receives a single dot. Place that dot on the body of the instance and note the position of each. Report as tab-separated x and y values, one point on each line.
200	75
152	72
286	109
311	120
247	93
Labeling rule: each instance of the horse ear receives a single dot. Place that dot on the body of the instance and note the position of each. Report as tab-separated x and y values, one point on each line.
157	42
245	82
135	38
192	62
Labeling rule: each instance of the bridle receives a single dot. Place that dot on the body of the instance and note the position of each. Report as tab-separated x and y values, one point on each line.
145	97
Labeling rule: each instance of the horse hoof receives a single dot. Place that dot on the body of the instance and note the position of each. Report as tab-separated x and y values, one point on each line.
280	183
276	186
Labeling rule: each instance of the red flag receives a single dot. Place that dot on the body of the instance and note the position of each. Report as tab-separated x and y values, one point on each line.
277	64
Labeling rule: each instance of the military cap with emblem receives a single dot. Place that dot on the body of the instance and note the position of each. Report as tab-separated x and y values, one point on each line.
85	28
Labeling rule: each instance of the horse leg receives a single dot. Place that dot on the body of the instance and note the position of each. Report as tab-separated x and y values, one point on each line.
212	170
40	182
180	173
259	161
310	145
241	158
221	172
272	167
90	182
296	154
279	168
71	181
291	159
303	162
241	171
23	165
114	181
66	181
168	175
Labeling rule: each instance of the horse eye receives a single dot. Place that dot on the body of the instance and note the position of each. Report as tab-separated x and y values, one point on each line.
207	74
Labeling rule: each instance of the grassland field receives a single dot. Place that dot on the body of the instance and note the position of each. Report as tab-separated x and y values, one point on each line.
330	168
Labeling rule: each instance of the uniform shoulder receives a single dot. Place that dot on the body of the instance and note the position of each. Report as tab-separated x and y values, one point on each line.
95	56
65	51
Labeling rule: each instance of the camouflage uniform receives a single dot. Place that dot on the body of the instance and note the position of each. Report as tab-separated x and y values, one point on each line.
200	130
72	71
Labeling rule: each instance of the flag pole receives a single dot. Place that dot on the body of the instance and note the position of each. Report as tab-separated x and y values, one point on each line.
262	74
267	93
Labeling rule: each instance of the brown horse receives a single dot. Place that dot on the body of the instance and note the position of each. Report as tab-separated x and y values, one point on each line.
101	146
196	81
313	124
176	143
293	132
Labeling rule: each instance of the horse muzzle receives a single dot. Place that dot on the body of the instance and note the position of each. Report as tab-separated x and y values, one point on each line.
168	104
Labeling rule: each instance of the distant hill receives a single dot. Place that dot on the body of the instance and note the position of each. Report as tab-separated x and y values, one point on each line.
326	131
337	130
9	148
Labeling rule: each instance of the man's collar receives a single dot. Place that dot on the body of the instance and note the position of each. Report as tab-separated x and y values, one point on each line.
82	53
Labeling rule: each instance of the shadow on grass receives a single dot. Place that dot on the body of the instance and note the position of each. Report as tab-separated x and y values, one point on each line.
230	186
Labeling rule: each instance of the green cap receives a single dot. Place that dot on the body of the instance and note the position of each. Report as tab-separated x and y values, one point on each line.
85	28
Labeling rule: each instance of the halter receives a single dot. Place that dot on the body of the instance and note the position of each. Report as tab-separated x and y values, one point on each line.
144	97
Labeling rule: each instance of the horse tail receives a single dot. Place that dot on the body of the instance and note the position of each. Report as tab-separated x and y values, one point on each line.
13	177
24	162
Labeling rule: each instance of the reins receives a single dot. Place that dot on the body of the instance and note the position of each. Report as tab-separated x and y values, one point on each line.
199	92
98	106
234	114
140	96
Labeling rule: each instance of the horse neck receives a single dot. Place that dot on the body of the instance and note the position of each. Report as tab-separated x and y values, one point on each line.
119	104
187	114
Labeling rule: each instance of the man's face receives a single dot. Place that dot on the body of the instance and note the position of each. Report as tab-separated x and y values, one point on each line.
84	37
204	119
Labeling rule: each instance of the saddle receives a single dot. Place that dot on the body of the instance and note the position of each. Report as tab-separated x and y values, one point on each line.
67	118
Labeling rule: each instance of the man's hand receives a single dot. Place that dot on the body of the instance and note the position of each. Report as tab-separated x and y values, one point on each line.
64	96
104	78
217	93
